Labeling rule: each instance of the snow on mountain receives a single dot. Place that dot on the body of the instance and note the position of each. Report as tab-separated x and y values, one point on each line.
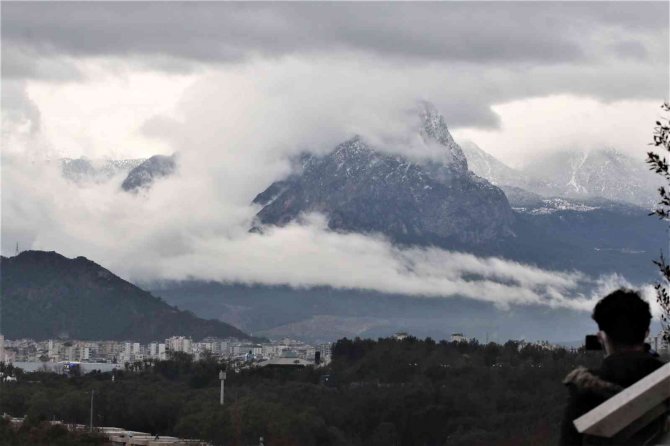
84	170
434	128
136	173
143	175
553	205
362	189
606	173
487	166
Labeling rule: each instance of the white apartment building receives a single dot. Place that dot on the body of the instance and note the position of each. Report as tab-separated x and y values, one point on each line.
179	344
325	349
458	337
84	353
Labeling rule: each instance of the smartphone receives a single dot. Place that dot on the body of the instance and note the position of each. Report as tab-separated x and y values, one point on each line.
591	342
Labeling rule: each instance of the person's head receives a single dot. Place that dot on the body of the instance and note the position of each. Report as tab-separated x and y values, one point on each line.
623	319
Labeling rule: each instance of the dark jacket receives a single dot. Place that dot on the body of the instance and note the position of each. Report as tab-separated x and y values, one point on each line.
590	388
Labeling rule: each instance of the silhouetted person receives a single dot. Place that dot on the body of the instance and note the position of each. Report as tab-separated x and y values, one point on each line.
623	319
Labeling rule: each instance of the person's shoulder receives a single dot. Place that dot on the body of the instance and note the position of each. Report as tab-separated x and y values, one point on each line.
628	367
643	359
657	363
586	381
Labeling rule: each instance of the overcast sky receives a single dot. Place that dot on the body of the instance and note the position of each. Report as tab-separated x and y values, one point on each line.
236	89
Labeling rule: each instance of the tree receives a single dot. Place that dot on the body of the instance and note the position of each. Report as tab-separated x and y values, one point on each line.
659	164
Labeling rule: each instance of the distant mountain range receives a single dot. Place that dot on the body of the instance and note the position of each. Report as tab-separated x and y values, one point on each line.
594	174
46	295
84	170
137	173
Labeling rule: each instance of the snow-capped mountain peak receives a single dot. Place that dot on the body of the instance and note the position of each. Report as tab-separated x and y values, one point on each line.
367	189
434	128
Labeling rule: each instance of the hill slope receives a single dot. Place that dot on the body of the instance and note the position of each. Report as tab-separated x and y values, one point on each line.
46	295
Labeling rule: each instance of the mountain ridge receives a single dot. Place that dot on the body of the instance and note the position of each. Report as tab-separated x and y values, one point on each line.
85	170
147	172
47	295
577	174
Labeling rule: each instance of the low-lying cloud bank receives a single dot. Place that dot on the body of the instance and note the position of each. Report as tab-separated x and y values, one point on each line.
308	255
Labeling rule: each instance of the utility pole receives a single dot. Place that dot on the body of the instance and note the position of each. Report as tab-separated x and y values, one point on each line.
91	421
222	378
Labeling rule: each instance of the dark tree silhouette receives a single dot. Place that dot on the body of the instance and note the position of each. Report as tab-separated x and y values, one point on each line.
659	164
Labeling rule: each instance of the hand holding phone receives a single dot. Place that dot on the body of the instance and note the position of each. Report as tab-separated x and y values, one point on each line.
591	342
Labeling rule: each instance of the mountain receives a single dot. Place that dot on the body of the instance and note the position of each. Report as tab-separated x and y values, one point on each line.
363	189
46	295
519	187
84	170
604	173
151	169
487	166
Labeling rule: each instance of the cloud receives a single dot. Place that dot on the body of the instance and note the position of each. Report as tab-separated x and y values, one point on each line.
483	53
281	108
532	128
22	62
632	49
99	116
491	32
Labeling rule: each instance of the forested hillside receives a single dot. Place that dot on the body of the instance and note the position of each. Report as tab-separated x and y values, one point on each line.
46	295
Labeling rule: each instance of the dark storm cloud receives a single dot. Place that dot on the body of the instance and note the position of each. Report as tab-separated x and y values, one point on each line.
498	32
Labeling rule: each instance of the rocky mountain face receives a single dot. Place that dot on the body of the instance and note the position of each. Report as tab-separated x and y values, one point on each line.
151	169
487	166
83	170
597	174
46	295
137	174
363	189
